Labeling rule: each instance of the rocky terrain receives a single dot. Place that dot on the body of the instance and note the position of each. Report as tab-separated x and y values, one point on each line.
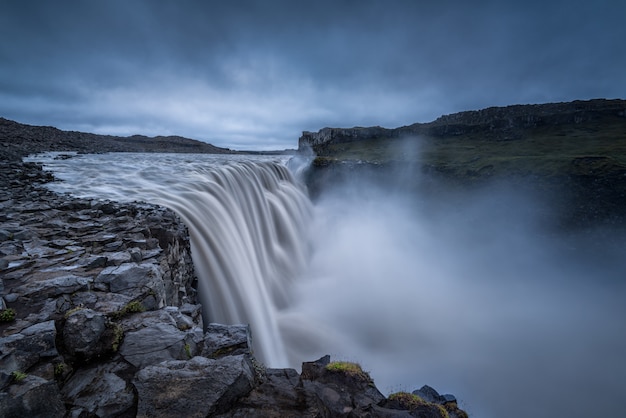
99	316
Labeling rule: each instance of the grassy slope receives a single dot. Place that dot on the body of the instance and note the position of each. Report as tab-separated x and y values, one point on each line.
594	148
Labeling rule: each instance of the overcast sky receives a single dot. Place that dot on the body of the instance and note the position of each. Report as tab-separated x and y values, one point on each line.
255	74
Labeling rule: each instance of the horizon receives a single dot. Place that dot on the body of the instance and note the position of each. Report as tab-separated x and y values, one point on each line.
175	135
254	75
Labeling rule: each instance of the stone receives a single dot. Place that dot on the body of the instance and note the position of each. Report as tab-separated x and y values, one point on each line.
428	394
54	287
224	340
128	276
339	393
100	391
32	397
83	334
153	337
199	387
19	352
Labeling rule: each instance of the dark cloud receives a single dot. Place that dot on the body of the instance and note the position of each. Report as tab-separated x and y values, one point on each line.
253	74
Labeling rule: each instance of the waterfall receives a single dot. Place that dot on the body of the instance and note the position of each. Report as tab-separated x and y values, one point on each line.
247	225
247	218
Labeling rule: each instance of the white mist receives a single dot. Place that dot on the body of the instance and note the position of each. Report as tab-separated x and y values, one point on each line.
469	295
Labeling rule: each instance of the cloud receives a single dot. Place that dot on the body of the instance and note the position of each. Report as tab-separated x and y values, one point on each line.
279	67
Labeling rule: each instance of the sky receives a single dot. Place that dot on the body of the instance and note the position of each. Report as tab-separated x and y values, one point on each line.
252	75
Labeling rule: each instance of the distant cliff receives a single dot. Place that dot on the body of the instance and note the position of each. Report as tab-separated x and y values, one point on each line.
574	151
18	140
497	123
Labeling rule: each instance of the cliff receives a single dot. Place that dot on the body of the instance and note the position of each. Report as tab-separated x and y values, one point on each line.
574	151
496	123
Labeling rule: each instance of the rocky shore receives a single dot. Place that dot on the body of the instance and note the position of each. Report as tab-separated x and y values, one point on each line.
99	318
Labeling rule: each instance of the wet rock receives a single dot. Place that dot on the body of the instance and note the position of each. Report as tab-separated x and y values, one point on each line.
195	388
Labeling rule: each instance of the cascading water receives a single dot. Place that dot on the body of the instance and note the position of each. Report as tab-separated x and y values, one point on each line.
247	222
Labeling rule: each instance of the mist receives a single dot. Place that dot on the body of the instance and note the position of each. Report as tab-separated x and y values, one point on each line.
473	293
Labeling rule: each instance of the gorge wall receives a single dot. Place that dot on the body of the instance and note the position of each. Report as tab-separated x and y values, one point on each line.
498	123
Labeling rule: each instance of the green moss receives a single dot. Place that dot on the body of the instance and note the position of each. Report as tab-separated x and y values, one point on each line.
59	369
407	400
18	376
347	368
188	350
7	315
129	308
118	336
443	412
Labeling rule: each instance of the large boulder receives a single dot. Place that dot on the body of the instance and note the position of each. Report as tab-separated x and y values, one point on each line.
83	334
195	388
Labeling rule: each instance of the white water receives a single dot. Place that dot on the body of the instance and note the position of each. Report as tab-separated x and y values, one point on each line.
247	219
468	295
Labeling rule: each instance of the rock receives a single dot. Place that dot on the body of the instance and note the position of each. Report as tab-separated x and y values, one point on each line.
83	334
153	337
195	388
38	289
100	391
32	397
428	394
340	393
19	352
279	395
128	276
224	340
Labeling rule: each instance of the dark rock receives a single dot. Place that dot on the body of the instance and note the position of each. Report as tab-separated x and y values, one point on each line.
153	337
32	397
19	352
428	394
223	340
54	287
195	388
83	334
341	394
99	390
130	277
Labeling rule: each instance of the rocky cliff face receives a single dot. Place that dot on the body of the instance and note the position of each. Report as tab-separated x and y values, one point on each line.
499	123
